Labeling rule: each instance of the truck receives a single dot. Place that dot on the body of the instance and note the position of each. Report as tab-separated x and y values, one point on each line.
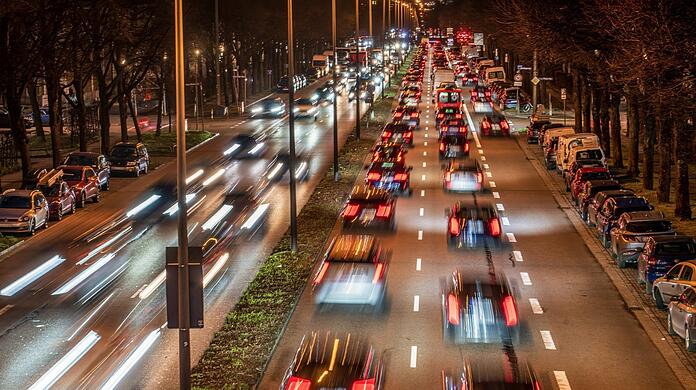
495	74
321	64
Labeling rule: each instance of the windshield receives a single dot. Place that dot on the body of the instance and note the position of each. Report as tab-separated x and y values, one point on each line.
51	191
595	176
592	154
453	140
123	152
76	159
648	226
72	174
15	202
676	248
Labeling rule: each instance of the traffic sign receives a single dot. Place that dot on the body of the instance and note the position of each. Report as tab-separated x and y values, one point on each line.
517	84
522	67
563	94
478	39
535	80
518	77
546	78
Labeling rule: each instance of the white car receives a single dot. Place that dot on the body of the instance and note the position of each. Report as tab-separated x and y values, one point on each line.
305	108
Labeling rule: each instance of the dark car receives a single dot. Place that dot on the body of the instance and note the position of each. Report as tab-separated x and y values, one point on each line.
83	181
470	225
407	114
398	133
661	253
453	146
582	176
479	311
273	107
514	375
279	166
370	207
534	131
316	366
389	152
590	188
597	201
130	158
94	160
392	176
245	146
494	124
612	210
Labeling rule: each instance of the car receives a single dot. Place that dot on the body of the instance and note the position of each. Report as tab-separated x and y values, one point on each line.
572	168
660	253
534	131
471	225
513	375
494	124
470	79
453	127
409	98
130	158
392	176
447	113
409	115
681	317
83	181
325	93
23	211
353	272
398	133
96	161
680	277
632	230
590	188
60	197
463	176
453	146
388	152
245	146
305	108
583	175
597	201
479	310
315	365
270	107
279	166
612	209
480	94
369	207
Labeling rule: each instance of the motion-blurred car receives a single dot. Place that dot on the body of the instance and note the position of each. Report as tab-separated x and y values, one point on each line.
245	146
632	230
479	311
515	375
94	160
305	108
681	319
469	225
370	207
280	164
494	124
23	211
353	272
130	158
680	277
392	176
273	107
316	366
409	115
84	182
447	113
453	146
661	253
398	133
388	152
463	176
61	198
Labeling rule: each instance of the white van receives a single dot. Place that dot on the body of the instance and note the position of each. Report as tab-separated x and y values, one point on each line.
551	136
570	141
586	152
495	74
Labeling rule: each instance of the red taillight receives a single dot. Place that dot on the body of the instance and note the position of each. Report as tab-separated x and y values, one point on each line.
510	311
466	147
440	116
495	227
351	210
454	226
462	129
296	383
398	114
365	384
488	93
379	271
652	261
474	93
452	309
458	116
408	135
479	175
386	134
504	125
414	115
442	146
486	125
448	176
401	177
321	273
374	176
383	211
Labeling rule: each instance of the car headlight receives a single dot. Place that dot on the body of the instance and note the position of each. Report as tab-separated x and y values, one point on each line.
131	163
256	110
315	97
24	218
295	110
277	109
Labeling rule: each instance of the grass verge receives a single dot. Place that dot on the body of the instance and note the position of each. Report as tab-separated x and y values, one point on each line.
8	241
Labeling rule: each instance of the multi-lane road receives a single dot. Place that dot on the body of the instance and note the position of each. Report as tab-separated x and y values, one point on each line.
94	317
576	329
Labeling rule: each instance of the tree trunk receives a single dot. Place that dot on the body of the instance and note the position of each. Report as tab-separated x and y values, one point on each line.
80	109
18	131
123	114
160	104
136	125
682	205
664	150
605	137
36	110
634	136
586	107
54	116
104	118
615	121
577	103
647	128
596	109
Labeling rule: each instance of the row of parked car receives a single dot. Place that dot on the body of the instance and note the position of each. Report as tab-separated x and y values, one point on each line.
626	224
51	194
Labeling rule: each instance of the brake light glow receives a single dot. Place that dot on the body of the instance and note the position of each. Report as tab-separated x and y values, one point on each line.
408	135
321	273
379	271
448	176
384	211
296	383
373	176
351	210
452	309
442	146
479	176
414	115
495	227
504	125
509	311
440	115
365	384
386	134
466	146
401	177
652	261
486	125
454	226
474	93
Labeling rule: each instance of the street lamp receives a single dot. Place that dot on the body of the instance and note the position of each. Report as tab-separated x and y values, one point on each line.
291	130
334	91
357	69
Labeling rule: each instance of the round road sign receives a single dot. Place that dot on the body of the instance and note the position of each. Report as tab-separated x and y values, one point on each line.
518	77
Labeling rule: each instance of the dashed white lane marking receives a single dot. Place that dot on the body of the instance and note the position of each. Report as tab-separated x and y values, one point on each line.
416	303
483	158
421	211
425	143
489	174
526	280
426	135
492	183
517	255
427	128
496	195
425	154
485	166
420	235
562	380
471	126
506	221
424	164
511	237
419	261
414	356
423	177
536	307
500	207
5	309
548	340
480	151
422	192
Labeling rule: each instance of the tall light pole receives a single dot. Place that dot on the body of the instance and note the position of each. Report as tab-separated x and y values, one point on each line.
335	91
182	230
291	131
218	94
358	74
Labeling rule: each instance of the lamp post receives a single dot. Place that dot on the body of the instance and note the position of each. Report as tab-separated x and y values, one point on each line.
335	91
218	54
182	230
357	69
291	131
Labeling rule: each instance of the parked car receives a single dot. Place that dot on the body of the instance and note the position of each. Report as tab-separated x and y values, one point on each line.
23	211
61	198
84	182
612	209
582	176
573	168
660	253
534	131
680	277
592	187
597	201
681	319
94	160
129	157
632	230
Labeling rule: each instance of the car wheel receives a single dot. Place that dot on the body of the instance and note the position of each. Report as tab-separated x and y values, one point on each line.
72	208
670	327
97	197
657	296
45	225
32	228
145	170
137	172
106	186
620	260
689	343
83	200
59	214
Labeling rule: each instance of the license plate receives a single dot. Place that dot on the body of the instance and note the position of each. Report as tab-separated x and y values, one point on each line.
455	149
368	214
388	179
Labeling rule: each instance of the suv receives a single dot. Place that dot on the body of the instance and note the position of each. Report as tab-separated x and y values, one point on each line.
631	232
660	253
94	160
129	157
23	211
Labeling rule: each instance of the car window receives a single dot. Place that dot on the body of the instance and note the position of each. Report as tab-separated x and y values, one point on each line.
15	202
687	273
648	226
674	272
89	173
123	152
690	297
38	200
676	248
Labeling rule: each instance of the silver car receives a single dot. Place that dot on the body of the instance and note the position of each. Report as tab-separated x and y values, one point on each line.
681	319
632	230
680	277
23	211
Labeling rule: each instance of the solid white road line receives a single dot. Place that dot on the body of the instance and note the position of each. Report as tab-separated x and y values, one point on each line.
5	309
526	280
492	183
562	380
518	256
422	192
420	235
489	174
536	307
496	195
416	303
500	207
506	221
421	211
511	237
418	264
414	356
548	340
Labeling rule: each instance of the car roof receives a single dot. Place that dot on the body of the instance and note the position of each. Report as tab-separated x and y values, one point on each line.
86	154
363	192
14	192
129	144
592	169
359	248
637	216
602	183
678	238
464	164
